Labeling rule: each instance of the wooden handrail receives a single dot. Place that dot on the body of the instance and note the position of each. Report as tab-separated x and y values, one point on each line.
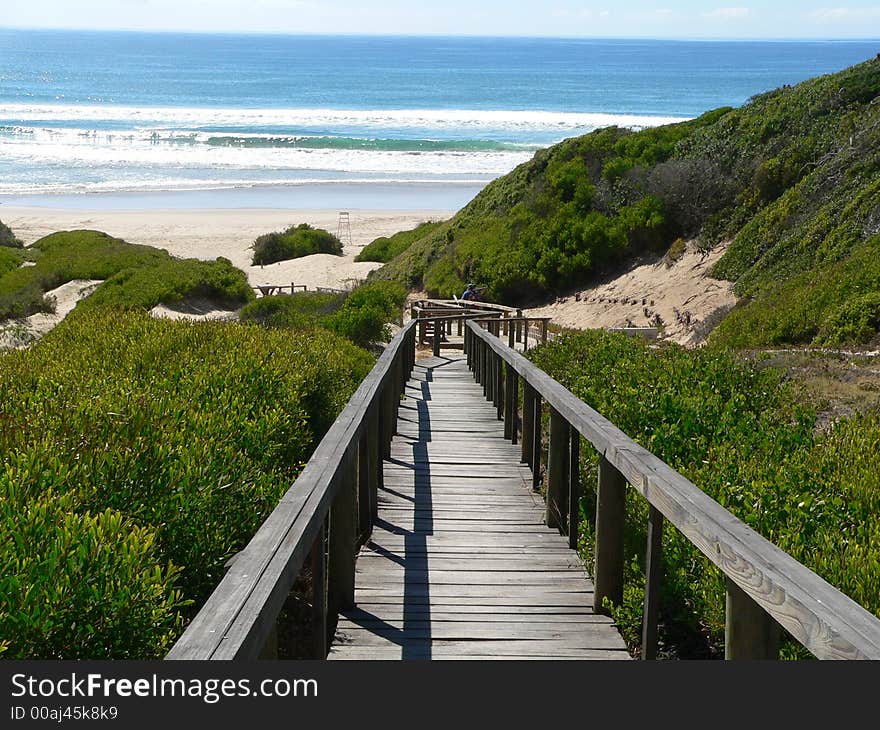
238	620
759	574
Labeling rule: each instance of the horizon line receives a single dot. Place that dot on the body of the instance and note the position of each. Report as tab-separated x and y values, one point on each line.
354	34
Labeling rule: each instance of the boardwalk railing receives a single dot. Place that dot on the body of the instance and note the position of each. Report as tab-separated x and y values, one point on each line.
321	520
764	584
329	511
267	290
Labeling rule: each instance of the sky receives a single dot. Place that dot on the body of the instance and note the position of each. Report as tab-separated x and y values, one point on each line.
562	18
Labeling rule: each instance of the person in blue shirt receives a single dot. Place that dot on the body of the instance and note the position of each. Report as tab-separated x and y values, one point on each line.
470	294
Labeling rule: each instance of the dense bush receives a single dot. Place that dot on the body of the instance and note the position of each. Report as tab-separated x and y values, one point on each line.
360	316
173	281
739	433
9	260
7	237
384	249
138	455
294	242
302	309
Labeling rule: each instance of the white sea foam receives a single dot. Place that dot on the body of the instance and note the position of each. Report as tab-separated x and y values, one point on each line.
71	148
230	118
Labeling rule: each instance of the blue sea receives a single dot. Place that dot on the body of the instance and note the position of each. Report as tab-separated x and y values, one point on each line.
263	118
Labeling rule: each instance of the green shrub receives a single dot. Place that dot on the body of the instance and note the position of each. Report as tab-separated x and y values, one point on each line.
170	442
64	256
362	325
360	316
173	281
294	242
9	260
829	305
7	237
59	568
307	309
384	249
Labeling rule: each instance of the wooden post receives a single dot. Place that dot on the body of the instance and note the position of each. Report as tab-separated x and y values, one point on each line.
544	331
653	575
511	334
318	560
460	325
499	387
399	386
749	631
557	471
574	486
342	551
270	648
377	471
485	369
528	417
364	491
513	403
536	442
438	335
519	325
510	393
610	515
388	424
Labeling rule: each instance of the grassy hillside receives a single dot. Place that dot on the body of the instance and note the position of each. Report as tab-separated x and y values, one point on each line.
792	179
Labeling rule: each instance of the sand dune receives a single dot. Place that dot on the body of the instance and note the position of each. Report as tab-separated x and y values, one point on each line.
686	299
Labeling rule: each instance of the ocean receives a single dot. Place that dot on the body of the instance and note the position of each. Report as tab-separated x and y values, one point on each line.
258	120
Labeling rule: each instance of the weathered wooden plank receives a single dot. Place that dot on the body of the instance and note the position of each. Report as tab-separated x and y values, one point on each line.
541	600
602	639
459	549
366	613
822	618
394	653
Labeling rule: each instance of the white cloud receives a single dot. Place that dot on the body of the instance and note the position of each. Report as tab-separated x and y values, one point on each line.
728	13
844	15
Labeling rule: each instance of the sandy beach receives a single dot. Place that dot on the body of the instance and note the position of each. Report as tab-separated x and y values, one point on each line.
209	233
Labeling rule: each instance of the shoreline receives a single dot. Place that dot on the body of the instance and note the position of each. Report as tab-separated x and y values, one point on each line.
206	233
373	196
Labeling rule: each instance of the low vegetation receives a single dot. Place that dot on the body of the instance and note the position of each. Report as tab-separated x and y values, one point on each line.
138	276
384	249
362	316
294	242
9	260
138	456
7	238
745	437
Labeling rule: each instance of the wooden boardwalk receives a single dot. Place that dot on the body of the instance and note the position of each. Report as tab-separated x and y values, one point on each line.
460	564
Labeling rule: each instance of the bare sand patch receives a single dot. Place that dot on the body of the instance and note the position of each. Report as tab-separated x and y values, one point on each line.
23	332
678	296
